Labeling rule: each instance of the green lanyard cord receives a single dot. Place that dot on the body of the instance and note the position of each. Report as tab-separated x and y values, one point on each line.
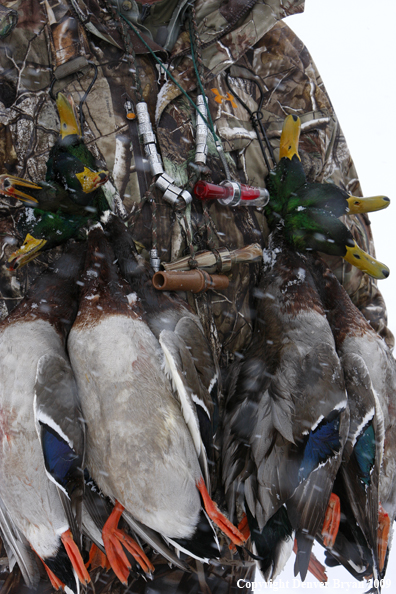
208	123
218	144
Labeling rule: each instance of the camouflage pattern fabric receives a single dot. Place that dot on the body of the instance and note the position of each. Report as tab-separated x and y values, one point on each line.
55	41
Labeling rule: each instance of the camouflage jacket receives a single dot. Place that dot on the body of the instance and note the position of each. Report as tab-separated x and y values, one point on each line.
56	43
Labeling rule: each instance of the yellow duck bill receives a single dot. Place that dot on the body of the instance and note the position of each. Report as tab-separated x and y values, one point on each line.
290	137
9	186
69	124
27	252
359	258
358	205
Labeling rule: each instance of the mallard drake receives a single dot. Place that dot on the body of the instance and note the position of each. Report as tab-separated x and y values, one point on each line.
41	428
58	217
144	453
71	194
308	212
74	196
370	374
70	148
166	312
44	231
286	418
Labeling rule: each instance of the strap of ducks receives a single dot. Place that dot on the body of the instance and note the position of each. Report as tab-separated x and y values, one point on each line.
307	213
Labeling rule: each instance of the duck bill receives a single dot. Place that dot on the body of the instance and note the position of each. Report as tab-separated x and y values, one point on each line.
290	137
27	252
9	186
91	180
354	255
358	205
101	178
67	113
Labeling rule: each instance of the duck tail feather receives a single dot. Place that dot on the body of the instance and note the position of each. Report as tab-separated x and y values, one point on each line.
203	545
18	549
96	507
273	543
154	540
73	514
303	555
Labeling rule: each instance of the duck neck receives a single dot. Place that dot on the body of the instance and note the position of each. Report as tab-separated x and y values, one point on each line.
104	292
53	297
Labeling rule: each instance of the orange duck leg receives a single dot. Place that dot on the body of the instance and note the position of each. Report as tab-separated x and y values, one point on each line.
114	538
218	518
331	522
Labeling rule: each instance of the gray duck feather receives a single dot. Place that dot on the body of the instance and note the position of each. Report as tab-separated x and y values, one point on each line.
286	392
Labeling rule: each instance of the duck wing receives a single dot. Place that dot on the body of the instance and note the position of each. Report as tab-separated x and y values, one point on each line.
191	394
286	420
61	430
363	450
355	337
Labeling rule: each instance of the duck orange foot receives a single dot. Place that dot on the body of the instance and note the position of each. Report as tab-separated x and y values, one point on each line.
55	581
218	518
383	535
97	559
314	566
113	539
75	557
331	522
243	527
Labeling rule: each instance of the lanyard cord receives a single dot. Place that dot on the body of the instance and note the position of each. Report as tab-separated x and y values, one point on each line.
208	121
170	76
256	117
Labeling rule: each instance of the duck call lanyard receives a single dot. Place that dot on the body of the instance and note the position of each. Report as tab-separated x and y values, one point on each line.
179	198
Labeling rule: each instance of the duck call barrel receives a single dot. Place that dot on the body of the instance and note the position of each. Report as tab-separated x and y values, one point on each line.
195	281
231	193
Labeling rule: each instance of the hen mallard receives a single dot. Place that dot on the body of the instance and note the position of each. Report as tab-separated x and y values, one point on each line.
286	418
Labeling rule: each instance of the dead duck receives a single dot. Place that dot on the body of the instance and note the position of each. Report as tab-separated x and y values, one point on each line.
286	418
370	373
173	323
143	444
307	213
33	357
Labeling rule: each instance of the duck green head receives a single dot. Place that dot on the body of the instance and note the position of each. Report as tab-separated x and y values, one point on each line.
76	177
288	175
307	213
315	229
